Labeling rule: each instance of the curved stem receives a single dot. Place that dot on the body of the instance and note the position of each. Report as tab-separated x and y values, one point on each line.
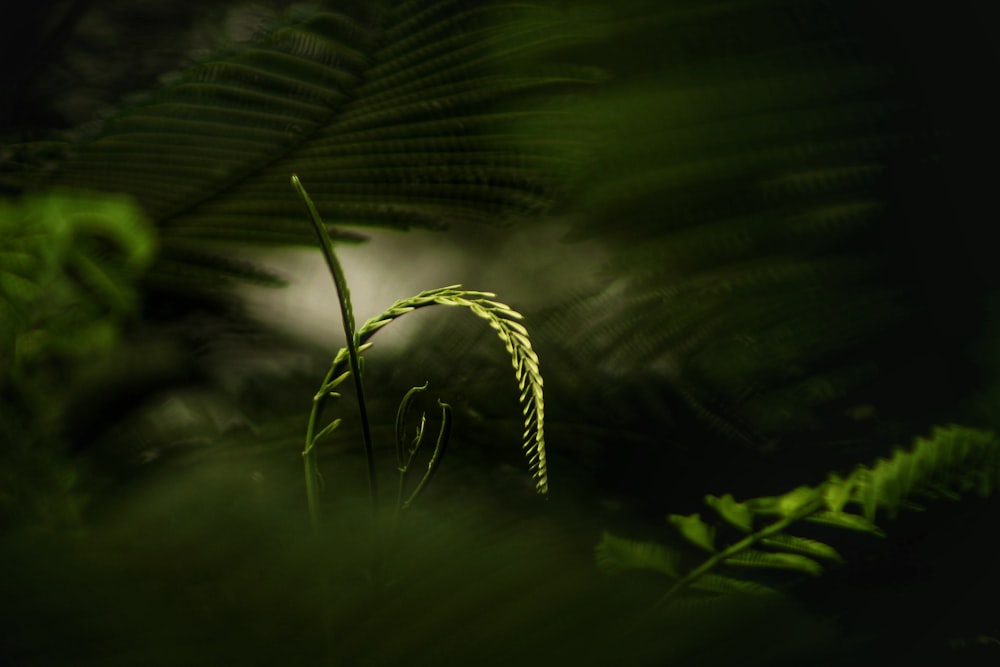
439	448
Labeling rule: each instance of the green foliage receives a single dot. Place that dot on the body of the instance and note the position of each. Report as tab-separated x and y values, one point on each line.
68	267
953	461
501	318
422	113
410	114
504	321
746	202
728	169
67	272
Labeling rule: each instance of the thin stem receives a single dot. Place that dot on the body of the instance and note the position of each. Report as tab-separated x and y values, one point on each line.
737	547
309	453
347	316
312	487
404	468
439	448
402	464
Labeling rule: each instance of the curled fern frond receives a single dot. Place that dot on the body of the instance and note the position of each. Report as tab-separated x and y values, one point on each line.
953	461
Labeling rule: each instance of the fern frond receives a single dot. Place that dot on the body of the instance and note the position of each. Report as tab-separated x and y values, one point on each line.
741	202
952	460
413	116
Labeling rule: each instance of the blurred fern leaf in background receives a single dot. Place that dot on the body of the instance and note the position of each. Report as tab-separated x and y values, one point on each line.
406	113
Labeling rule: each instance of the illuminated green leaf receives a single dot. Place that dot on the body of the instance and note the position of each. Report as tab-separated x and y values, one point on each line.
802	545
798	499
695	531
737	514
845	520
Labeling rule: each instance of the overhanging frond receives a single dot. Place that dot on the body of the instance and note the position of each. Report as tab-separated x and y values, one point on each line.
408	117
744	195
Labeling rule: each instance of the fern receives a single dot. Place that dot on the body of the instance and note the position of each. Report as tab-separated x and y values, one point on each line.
743	203
953	461
501	319
67	271
69	263
409	115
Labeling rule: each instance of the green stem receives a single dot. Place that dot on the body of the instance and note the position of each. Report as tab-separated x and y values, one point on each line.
347	316
439	448
312	487
309	451
737	547
402	464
